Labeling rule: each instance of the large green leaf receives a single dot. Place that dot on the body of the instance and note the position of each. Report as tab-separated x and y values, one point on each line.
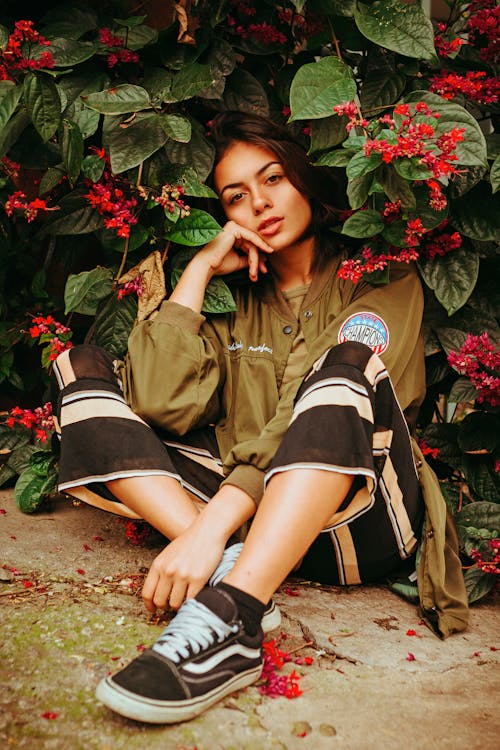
190	81
478	584
176	127
72	149
479	431
472	150
328	132
8	104
4	37
451	339
481	515
318	86
68	52
36	482
43	104
197	154
380	89
445	438
87	119
85	290
139	36
358	190
245	93
477	214
462	391
495	174
332	7
483	480
338	158
158	83
452	277
196	229
363	224
119	100
113	324
397	26
361	164
187	177
132	144
412	169
81	221
69	21
395	186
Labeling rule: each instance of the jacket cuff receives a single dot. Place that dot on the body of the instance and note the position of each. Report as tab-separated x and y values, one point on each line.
180	315
249	479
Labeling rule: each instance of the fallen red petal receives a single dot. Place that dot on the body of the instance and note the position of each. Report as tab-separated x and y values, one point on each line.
87	548
410	657
411	632
98	539
80	571
3	512
28	584
50	715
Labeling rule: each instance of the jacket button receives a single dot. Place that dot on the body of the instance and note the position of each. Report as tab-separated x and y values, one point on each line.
288	329
308	314
418	463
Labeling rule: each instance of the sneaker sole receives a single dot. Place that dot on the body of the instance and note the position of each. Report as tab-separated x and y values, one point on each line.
152	711
271	618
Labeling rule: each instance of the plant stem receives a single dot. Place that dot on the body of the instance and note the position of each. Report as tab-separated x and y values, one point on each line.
334	39
127	240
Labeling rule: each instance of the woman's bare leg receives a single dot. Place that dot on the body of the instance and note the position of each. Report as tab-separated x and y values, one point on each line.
160	500
296	506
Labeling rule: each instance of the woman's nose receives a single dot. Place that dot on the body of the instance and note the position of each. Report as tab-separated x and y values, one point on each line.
260	201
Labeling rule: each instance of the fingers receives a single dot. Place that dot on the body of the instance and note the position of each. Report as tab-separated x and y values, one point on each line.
242	233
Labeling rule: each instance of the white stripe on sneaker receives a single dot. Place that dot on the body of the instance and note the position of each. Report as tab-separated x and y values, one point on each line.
216	659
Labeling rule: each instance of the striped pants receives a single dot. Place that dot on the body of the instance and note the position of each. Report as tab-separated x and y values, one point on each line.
346	419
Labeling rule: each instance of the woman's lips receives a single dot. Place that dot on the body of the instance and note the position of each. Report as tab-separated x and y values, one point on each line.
270	227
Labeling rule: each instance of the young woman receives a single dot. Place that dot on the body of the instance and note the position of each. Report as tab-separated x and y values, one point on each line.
282	412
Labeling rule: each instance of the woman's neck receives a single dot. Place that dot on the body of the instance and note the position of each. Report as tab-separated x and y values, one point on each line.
293	266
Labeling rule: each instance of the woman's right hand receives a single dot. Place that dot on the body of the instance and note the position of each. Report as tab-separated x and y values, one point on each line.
234	248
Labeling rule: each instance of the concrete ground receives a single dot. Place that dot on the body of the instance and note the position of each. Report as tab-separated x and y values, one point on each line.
70	612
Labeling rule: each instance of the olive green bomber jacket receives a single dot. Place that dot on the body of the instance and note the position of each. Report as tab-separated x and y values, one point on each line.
184	371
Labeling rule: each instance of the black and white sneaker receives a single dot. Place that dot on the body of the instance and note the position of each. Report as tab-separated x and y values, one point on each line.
203	655
271	619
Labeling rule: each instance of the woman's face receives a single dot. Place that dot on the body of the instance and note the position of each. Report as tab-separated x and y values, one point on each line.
256	193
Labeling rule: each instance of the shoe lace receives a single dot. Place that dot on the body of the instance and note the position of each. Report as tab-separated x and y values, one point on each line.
226	564
194	628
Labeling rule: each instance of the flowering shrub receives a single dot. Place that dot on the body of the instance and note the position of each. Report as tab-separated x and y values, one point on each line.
105	149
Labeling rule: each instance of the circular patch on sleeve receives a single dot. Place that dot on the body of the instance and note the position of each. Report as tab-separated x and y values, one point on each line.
367	328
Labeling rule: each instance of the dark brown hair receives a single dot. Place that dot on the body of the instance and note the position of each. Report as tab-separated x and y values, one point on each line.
319	184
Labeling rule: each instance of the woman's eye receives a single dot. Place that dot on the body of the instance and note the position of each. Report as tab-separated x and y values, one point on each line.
235	198
274	178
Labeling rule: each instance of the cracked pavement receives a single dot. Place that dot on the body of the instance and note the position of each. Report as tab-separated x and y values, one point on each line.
71	611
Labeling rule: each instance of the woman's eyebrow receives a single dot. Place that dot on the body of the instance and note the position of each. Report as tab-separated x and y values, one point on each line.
257	174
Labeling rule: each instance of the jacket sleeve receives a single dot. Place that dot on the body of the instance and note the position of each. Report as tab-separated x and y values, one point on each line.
172	371
399	305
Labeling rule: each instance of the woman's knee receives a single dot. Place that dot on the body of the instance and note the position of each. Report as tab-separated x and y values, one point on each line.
83	361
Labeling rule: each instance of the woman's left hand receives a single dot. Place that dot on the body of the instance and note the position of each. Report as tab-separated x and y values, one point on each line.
182	569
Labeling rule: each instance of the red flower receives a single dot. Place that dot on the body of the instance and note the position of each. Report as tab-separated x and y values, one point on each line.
50	715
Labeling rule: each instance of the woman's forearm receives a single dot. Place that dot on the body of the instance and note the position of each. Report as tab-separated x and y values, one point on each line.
190	289
226	511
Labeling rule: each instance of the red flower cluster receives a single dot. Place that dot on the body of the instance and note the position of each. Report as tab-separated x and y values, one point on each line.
484	29
446	47
18	202
39	420
439	242
53	334
354	269
169	198
261	32
479	360
351	109
418	139
11	168
303	27
474	84
111	197
16	57
414	232
491	565
131	287
273	684
120	53
138	532
427	450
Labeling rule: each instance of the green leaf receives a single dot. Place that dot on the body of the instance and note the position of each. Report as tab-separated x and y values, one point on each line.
4	37
451	339
133	144
82	221
85	290
462	391
194	230
176	127
197	154
50	179
119	100
472	150
318	86
138	236
483	480
358	189
451	493
130	22
36	482
158	83
43	104
363	224
93	167
72	149
493	145
69	21
397	26
87	119
139	37
380	89
452	277
481	515
9	104
361	164
424	211
190	81
395	233
477	214
445	438
411	169
338	158
332	7
478	584
495	175
113	324
396	187
328	132
222	57
479	431
68	52
245	93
